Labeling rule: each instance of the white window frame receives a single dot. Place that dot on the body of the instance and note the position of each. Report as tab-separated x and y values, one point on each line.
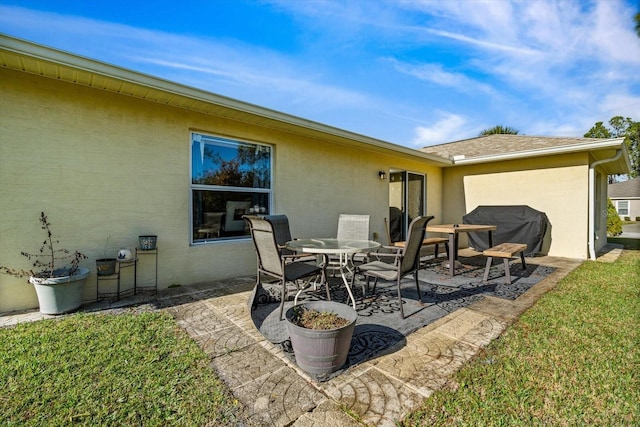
622	211
268	192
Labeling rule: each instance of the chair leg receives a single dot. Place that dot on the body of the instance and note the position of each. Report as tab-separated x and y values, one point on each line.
507	273
487	268
353	281
435	251
400	299
418	286
284	296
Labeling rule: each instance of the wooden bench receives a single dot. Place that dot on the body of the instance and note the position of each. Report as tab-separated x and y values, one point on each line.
505	251
430	241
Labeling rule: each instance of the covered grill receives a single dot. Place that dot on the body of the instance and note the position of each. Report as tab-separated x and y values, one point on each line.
516	224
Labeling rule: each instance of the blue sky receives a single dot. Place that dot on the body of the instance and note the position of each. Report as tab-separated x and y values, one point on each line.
411	72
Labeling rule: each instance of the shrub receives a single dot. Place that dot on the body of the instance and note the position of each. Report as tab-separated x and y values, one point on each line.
614	223
626	218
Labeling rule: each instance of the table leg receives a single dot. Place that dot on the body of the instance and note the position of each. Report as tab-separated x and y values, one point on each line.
490	238
453	253
346	282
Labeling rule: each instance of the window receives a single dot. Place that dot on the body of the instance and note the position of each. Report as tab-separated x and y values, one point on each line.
622	206
229	179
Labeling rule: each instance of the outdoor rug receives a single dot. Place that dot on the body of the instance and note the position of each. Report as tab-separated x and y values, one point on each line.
379	328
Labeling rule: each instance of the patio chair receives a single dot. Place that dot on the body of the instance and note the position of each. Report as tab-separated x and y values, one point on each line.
281	231
405	260
283	267
350	227
353	227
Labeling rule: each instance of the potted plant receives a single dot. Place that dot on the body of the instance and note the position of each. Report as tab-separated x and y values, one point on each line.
106	266
148	243
321	333
59	288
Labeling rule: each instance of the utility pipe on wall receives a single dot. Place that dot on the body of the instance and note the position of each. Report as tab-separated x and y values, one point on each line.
592	202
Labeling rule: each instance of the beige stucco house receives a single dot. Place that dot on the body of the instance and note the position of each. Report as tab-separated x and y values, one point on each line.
110	154
625	196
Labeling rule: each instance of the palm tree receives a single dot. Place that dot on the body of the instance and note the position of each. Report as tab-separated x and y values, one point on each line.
499	129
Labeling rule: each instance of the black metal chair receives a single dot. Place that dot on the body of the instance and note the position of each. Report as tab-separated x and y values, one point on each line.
404	261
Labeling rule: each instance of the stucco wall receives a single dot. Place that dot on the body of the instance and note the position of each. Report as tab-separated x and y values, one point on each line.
107	168
557	186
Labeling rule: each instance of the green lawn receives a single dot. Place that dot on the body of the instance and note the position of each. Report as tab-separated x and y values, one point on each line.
571	360
120	370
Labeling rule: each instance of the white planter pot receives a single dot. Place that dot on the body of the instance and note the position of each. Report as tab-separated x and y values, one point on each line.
58	295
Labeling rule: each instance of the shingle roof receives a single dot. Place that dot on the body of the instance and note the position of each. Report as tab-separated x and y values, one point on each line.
502	144
625	189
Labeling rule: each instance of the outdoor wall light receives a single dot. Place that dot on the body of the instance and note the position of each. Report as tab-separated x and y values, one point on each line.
382	174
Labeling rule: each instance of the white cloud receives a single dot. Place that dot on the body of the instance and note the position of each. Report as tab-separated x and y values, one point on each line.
620	105
446	129
435	73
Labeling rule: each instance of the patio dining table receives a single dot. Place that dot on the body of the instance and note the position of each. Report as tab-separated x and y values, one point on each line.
331	246
453	230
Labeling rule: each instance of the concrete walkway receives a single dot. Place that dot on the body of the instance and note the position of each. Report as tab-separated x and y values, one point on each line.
379	392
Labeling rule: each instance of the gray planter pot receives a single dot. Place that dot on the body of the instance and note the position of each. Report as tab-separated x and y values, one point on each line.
106	266
60	295
321	352
147	243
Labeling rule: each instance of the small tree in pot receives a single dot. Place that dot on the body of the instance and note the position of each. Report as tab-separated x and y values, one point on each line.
59	288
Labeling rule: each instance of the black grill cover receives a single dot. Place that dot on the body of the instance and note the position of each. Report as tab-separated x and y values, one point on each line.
516	224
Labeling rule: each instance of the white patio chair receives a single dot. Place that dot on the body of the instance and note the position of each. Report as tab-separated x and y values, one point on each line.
350	227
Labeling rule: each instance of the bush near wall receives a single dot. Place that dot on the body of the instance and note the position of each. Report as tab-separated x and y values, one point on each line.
614	223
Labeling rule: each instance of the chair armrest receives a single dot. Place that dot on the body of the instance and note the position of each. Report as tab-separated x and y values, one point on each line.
294	256
394	255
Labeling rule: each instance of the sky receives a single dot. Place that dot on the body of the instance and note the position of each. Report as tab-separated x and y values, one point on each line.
410	72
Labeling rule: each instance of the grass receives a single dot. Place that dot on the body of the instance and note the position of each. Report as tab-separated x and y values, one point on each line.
571	360
96	369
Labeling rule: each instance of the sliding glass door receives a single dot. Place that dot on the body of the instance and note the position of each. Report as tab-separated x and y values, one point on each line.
406	202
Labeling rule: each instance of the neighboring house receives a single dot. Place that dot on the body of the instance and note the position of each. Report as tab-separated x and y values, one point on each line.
626	198
110	154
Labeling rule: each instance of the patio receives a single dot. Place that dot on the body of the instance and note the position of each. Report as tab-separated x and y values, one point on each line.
380	329
378	388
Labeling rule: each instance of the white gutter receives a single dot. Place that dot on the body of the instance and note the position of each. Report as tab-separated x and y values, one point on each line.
571	148
592	202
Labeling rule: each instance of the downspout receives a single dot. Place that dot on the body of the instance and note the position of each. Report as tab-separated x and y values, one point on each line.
592	210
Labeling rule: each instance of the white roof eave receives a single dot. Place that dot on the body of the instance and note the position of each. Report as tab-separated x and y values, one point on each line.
573	148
